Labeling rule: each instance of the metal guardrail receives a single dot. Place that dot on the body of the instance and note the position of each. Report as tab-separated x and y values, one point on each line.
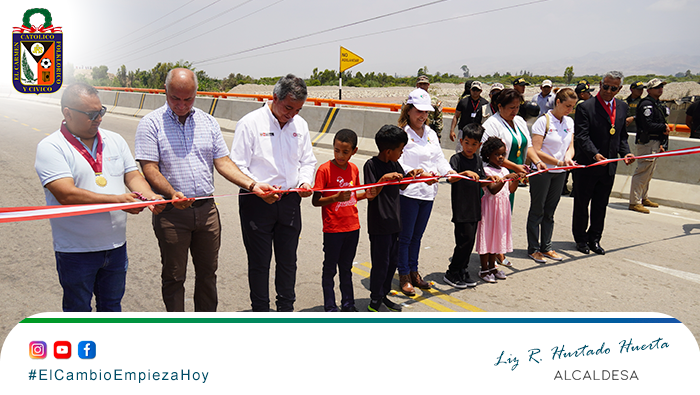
315	100
318	101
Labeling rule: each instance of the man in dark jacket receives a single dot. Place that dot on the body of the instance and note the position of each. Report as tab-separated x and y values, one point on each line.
652	137
599	134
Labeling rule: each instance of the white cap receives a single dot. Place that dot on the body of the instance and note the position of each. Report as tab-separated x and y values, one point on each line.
655	83
546	83
420	100
496	86
476	84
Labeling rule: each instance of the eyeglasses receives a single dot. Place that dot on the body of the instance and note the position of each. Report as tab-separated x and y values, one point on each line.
92	114
611	88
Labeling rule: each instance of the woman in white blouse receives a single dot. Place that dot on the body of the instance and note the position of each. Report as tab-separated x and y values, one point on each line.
552	139
510	127
423	151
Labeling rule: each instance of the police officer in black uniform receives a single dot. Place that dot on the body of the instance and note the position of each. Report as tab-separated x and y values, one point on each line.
519	85
652	137
636	90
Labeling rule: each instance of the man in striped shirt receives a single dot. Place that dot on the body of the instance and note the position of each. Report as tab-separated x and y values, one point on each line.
178	147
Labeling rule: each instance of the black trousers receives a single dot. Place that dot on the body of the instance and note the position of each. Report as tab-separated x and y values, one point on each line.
465	236
593	187
384	251
264	227
338	253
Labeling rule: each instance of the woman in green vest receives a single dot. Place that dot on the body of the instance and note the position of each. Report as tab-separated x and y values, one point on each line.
507	125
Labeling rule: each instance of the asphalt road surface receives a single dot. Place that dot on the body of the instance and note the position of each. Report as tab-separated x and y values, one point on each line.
651	263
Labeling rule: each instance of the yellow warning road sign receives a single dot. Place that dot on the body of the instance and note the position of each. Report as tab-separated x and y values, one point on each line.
348	59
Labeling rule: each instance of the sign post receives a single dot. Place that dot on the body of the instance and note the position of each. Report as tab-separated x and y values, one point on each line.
347	59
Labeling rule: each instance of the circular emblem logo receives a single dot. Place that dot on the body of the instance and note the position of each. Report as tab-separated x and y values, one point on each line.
37	49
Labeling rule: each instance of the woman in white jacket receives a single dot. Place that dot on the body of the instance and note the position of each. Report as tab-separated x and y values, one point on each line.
423	151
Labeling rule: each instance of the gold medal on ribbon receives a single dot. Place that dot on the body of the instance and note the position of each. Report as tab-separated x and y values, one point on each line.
612	130
517	154
100	181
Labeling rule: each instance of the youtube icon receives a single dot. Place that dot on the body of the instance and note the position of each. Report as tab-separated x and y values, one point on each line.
61	350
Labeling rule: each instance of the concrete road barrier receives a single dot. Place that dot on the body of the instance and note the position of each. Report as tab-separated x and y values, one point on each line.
676	179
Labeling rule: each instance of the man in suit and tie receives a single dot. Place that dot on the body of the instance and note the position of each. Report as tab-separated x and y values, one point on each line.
599	134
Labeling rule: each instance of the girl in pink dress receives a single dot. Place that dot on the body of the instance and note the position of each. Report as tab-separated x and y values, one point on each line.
493	235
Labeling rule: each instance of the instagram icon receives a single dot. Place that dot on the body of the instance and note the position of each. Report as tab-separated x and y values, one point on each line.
37	350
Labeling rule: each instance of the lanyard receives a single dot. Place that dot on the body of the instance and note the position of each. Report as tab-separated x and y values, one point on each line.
475	104
516	136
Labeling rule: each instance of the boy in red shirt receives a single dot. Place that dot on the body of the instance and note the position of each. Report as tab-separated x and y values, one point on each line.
341	224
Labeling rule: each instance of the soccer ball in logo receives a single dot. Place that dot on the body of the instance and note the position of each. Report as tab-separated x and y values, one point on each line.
46	63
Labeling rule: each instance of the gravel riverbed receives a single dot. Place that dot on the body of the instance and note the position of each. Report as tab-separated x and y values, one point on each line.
448	93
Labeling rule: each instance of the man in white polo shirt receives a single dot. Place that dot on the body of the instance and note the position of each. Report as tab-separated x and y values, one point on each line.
82	164
272	145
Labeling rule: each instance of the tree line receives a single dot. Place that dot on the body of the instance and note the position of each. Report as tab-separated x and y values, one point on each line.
155	78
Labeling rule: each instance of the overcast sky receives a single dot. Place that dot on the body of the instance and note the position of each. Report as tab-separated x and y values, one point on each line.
225	36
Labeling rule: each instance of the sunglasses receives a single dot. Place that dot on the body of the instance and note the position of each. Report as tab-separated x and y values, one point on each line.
92	115
611	88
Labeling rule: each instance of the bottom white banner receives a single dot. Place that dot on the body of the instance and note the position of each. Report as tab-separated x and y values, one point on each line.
320	353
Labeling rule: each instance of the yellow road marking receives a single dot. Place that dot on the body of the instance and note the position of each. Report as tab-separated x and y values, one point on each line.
430	303
360	272
37	129
24	124
327	124
453	300
432	291
417	298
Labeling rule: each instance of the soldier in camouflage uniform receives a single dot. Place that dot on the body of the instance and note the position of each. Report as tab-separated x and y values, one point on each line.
434	120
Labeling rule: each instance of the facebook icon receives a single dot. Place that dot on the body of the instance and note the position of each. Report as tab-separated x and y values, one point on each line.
86	350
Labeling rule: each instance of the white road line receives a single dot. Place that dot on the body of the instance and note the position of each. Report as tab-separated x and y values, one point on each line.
678	273
676	216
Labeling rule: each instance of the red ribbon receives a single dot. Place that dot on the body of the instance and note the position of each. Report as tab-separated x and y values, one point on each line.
40	29
95	163
18	214
612	113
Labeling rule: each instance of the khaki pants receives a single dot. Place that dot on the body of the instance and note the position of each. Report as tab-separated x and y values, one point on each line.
644	172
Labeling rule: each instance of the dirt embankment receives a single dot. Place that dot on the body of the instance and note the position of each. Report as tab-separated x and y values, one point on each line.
448	93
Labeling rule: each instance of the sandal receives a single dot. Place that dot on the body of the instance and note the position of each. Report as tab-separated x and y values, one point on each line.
498	274
487	276
504	262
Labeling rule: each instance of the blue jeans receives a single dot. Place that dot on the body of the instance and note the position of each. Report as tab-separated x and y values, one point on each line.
414	219
83	273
